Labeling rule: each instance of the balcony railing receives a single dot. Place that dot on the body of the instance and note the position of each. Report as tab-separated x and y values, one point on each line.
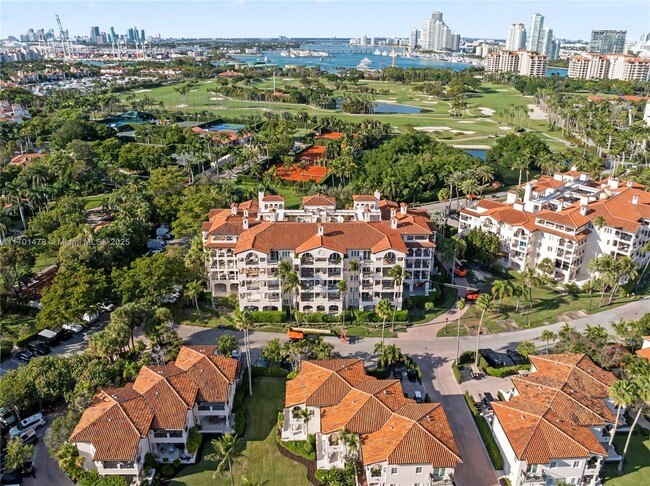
118	464
212	407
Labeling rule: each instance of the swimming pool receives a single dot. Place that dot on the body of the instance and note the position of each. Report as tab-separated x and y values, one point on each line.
224	127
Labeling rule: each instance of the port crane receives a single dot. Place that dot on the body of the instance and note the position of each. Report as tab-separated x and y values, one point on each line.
65	44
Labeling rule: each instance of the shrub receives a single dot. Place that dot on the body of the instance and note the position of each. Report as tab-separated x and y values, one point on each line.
466	357
271	371
314	317
240	422
24	340
379	373
167	470
293	374
6	345
176	463
486	434
299	447
402	316
308	447
268	317
149	462
194	438
507	371
366	316
456	371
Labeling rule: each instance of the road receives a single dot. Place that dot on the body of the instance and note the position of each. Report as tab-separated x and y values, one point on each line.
458	202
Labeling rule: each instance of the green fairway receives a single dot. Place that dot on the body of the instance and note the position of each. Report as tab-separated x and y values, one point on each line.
260	460
636	470
477	126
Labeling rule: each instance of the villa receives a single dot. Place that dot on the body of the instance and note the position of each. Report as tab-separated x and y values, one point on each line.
247	242
401	442
556	425
558	218
156	413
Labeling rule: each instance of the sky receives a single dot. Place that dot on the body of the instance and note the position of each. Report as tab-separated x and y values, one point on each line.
321	18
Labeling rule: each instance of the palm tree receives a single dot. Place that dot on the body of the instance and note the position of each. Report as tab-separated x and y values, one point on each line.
353	267
521	164
460	305
642	397
622	394
15	193
291	285
224	454
388	355
501	289
243	321
305	415
483	304
396	273
547	336
193	291
470	187
342	286
383	310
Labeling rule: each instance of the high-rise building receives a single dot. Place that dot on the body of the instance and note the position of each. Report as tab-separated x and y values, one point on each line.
142	37
414	39
437	36
516	37
363	40
628	68
131	34
607	41
535	31
113	35
94	34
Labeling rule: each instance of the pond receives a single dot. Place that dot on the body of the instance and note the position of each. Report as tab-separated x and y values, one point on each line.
383	108
480	153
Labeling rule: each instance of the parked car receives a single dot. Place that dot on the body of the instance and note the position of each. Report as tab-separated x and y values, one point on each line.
398	374
516	357
29	437
11	478
39	348
7	417
49	337
64	334
418	396
496	360
73	327
36	421
106	306
460	272
90	317
412	375
23	356
472	295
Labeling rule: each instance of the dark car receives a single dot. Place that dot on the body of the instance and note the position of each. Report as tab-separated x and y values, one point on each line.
23	356
11	478
64	335
286	364
516	357
39	348
412	375
494	359
398	374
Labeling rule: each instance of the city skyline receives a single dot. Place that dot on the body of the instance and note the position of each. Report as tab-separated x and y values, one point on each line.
375	18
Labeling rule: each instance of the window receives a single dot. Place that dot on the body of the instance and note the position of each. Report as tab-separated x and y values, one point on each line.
393	470
418	470
532	468
439	472
576	464
552	465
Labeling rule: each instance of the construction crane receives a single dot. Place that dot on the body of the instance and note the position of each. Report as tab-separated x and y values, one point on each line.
393	54
64	38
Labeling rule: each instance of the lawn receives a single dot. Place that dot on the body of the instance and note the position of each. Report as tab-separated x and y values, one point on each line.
636	470
421	316
260	460
11	324
95	201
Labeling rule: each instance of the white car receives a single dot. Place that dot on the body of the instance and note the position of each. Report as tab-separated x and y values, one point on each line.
106	307
90	317
73	327
36	421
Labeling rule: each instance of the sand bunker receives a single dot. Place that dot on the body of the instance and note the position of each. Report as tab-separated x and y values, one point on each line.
216	98
436	129
505	128
431	102
485	111
536	113
142	91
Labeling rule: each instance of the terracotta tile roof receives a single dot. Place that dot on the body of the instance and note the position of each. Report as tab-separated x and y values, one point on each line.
546	182
538	434
415	434
114	423
273	198
364	197
323	383
365	408
619	212
212	373
644	353
318	200
331	135
570	217
24	159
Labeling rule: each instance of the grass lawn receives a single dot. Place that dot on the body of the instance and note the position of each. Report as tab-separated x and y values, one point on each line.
422	316
636	470
95	201
43	262
261	460
11	324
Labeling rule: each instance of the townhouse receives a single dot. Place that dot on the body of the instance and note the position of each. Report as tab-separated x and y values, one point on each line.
557	424
156	413
568	219
399	442
247	242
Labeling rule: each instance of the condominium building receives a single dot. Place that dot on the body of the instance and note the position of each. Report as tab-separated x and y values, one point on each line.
516	39
555	220
607	41
541	39
534	32
589	66
437	36
247	242
557	422
156	412
525	63
401	442
628	68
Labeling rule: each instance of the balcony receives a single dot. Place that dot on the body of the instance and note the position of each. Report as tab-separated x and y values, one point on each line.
118	465
207	408
334	259
333	272
306	273
168	434
441	480
216	424
168	453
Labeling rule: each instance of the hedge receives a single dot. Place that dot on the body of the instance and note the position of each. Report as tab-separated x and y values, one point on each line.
486	434
274	371
466	357
299	448
379	373
240	407
24	340
6	345
371	316
507	371
456	371
270	317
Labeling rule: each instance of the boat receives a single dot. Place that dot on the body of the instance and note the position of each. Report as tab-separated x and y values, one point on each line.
365	63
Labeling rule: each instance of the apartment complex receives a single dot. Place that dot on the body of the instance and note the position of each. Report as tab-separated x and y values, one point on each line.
614	66
156	412
524	63
557	422
555	219
437	36
607	41
401	442
541	39
247	242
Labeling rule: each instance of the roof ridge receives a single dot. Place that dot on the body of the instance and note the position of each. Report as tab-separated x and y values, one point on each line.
166	380
436	438
567	435
127	415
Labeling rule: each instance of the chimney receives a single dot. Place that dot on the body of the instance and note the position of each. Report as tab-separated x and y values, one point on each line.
245	213
393	223
527	191
403	208
392	213
613	182
377	195
321	231
635	199
233	208
629	183
260	196
245	223
583	210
